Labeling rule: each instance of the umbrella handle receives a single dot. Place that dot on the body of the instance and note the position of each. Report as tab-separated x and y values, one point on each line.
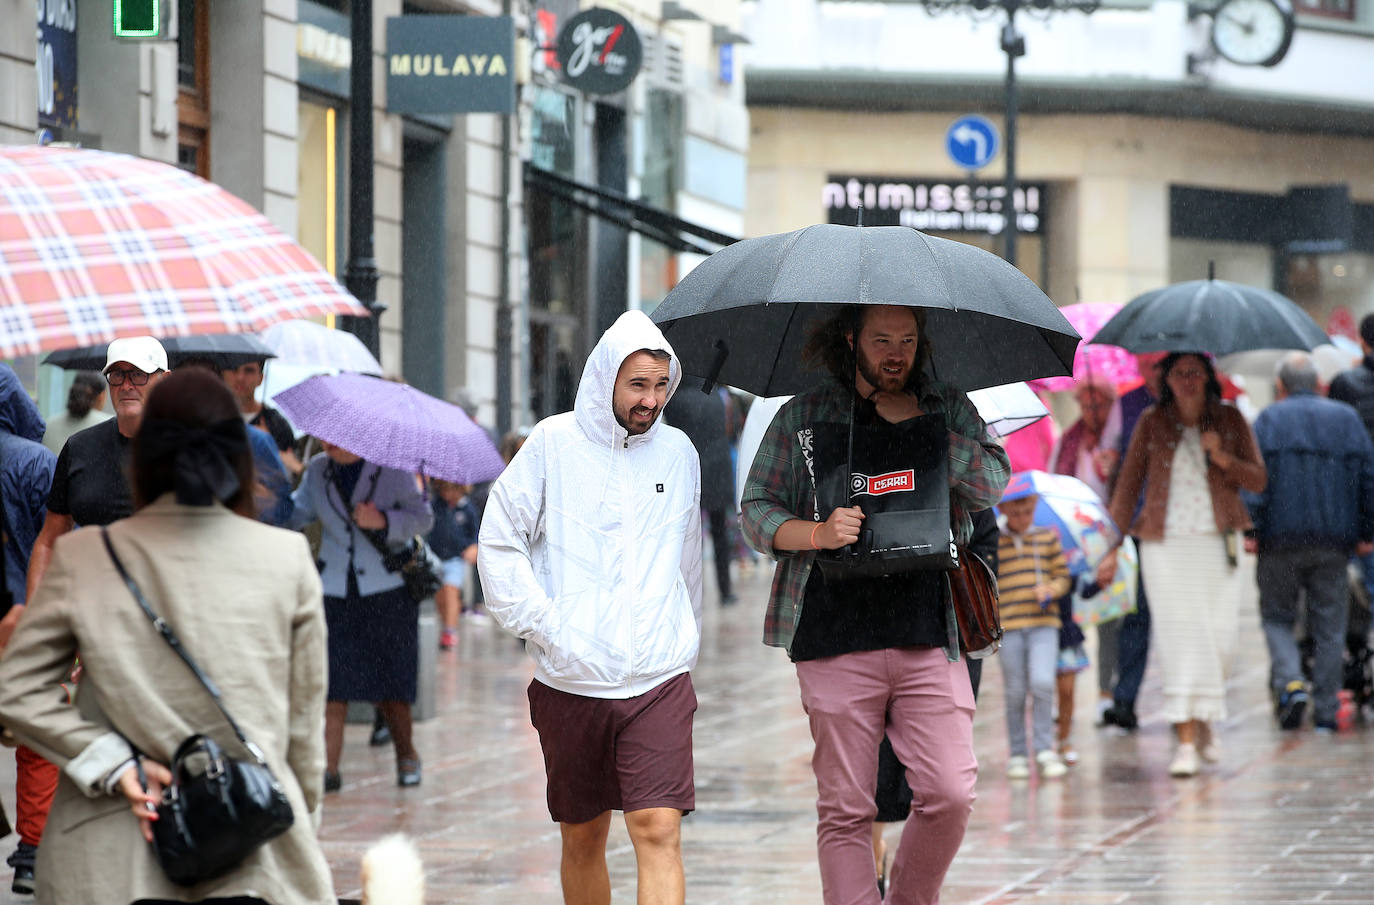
722	353
849	456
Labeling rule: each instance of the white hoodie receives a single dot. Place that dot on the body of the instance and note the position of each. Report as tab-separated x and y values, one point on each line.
590	547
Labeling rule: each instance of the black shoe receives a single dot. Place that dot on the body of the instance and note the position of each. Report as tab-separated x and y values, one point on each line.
1292	705
408	771
381	735
1120	715
22	861
333	782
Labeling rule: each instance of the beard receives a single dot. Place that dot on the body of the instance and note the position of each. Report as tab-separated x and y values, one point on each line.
643	419
881	380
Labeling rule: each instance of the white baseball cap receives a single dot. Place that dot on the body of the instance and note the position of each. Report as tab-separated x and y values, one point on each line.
143	352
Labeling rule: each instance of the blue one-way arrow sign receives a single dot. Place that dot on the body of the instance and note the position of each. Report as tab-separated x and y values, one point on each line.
972	141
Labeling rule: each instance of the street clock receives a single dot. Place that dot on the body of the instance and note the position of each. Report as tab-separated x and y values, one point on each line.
1253	32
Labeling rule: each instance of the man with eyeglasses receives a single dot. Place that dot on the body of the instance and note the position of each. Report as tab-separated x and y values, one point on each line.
89	487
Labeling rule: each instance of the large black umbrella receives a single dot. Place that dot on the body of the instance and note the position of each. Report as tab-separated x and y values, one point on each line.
228	350
743	316
1211	316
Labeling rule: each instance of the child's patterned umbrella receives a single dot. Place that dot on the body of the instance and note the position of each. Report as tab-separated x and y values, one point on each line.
1073	510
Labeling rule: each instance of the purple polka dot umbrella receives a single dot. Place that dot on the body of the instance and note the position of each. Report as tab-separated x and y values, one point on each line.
394	425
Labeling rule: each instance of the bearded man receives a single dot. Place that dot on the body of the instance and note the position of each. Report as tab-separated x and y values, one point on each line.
590	551
877	653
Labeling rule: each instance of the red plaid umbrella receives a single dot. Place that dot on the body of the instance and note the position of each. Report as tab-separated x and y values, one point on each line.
95	246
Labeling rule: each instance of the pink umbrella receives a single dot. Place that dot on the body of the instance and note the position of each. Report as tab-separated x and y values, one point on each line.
96	245
1111	362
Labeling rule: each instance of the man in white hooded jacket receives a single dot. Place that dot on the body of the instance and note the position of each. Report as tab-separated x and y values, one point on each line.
590	550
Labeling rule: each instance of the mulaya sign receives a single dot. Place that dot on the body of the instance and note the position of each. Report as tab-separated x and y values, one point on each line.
450	64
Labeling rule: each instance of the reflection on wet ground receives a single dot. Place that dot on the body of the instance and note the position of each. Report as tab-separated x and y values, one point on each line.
1284	817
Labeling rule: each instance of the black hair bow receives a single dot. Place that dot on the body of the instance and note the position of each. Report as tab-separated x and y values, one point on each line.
201	457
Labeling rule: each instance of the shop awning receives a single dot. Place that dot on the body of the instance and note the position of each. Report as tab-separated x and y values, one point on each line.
654	222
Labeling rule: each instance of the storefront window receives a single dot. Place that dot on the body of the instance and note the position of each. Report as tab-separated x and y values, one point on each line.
193	81
552	131
1337	289
1239	262
1334	9
557	259
659	184
319	157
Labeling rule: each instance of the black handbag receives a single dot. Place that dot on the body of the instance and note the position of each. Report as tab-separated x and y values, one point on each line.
899	475
419	568
218	810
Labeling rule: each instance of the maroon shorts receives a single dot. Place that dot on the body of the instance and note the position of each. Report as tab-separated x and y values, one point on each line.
626	754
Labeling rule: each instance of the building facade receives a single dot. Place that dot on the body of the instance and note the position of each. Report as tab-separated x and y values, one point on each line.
490	282
1142	155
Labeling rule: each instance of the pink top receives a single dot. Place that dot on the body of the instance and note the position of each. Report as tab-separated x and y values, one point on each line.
1030	447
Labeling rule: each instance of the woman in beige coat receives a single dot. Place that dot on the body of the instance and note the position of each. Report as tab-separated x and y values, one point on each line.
244	599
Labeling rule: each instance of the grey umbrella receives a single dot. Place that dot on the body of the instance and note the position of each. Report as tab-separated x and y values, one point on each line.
1211	316
228	350
743	316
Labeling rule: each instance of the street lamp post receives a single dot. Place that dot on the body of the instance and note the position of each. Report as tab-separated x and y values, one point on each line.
1013	45
360	272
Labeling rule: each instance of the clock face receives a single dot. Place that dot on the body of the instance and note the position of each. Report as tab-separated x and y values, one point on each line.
1253	32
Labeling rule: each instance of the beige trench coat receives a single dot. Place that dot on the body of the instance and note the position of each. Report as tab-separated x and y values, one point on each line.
245	600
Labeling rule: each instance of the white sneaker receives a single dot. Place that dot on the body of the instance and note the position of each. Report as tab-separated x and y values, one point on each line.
1018	767
1209	746
1185	762
1050	764
1103	705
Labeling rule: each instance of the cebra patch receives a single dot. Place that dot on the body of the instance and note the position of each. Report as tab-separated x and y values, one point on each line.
877	485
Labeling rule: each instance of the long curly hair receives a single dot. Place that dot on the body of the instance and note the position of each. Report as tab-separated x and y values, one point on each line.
829	345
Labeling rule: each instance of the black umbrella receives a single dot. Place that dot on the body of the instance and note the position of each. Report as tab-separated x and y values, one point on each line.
228	350
743	316
1211	316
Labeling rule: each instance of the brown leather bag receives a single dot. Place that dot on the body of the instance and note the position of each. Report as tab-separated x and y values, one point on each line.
973	591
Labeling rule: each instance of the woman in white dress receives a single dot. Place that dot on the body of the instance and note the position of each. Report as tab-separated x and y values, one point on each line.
1192	454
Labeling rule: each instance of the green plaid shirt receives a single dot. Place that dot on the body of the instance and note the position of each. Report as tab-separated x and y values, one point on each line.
780	485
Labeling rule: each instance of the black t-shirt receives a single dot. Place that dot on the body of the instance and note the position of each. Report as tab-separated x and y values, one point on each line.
90	483
841	617
271	420
870	614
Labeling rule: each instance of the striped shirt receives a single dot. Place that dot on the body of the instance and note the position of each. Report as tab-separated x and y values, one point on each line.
1025	561
780	485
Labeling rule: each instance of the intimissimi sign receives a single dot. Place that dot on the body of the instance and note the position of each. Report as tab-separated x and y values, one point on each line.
937	205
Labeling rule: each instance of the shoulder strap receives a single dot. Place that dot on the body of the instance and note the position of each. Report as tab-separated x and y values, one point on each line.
170	637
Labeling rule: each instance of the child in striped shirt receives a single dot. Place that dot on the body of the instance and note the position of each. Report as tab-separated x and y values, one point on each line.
1031	576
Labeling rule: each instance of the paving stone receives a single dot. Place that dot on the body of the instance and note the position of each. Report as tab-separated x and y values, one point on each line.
1285	818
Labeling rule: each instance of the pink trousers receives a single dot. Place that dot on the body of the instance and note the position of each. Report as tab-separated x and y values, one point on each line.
925	704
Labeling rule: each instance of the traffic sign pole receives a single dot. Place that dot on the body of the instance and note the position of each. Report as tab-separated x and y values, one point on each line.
1014	46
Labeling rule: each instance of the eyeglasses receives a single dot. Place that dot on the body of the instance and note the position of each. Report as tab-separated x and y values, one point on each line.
117	377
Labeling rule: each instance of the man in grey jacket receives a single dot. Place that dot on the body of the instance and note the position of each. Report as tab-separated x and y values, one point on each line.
590	551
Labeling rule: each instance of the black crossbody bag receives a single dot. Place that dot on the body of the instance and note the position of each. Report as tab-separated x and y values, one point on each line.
218	809
414	561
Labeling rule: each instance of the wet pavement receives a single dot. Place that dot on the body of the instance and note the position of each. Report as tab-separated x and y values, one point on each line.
1284	818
